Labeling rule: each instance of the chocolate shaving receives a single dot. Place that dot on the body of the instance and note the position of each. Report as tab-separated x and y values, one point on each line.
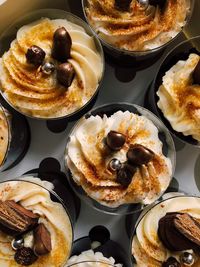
42	240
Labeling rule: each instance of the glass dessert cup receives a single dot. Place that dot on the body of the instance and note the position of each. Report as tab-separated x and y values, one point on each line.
15	137
136	55
39	198
168	150
166	202
53	14
180	52
91	263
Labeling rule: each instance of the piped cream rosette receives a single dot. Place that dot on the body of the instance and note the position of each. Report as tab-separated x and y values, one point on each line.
52	214
39	95
179	98
88	162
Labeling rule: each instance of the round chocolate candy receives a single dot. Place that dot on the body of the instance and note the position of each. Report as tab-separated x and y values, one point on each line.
62	43
123	5
196	74
144	3
125	175
35	55
171	262
139	154
114	164
115	140
187	259
48	68
25	256
65	74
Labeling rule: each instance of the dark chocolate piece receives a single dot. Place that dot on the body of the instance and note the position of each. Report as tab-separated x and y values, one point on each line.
139	154
171	262
125	175
35	55
123	5
196	74
42	240
25	256
115	140
15	219
62	43
65	74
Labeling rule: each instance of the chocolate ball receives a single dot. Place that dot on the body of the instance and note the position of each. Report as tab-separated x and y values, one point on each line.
35	55
171	262
125	175
115	140
196	74
139	154
114	164
187	258
62	43
48	68
123	5
65	74
25	256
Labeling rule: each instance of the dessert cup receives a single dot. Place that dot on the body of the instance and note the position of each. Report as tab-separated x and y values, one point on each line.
171	202
118	52
40	198
15	136
120	206
180	53
47	86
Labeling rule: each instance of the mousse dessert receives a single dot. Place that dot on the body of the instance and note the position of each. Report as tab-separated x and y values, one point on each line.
168	235
51	70
179	96
4	136
137	25
34	230
91	258
118	159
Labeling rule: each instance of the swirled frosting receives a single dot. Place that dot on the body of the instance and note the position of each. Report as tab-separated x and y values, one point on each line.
146	246
39	95
137	29
89	258
87	159
4	136
179	98
52	214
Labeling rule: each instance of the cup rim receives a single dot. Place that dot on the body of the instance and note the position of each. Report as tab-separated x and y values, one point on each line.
111	210
90	261
179	135
182	194
138	52
38	14
23	179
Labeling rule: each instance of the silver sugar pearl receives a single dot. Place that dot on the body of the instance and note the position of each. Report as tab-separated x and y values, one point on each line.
48	68
115	164
17	243
187	259
144	3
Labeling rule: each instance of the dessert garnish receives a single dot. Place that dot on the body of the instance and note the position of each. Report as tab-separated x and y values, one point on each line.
25	256
62	43
42	240
179	232
114	164
15	219
187	258
65	74
171	262
144	3
115	140
196	74
17	242
139	154
35	55
125	174
47	68
123	5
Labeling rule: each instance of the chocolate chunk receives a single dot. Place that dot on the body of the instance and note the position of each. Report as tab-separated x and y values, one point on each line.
115	140
171	262
125	175
42	240
15	219
25	256
123	5
65	74
139	154
196	74
35	55
62	43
